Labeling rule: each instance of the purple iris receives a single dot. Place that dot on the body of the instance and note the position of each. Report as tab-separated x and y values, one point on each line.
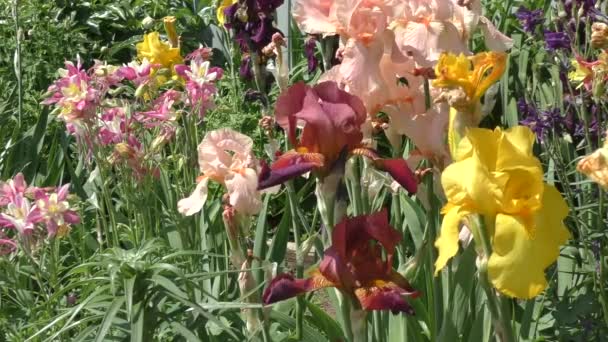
251	22
309	51
557	40
529	19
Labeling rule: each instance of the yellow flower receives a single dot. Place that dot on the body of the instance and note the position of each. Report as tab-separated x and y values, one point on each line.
580	74
474	75
157	51
169	23
496	175
463	81
221	18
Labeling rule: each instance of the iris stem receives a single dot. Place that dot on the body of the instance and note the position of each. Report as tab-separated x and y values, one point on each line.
345	312
356	187
291	195
498	306
358	318
600	273
18	71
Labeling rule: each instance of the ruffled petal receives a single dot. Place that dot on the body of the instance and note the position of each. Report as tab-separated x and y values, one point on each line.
469	182
315	16
516	266
242	188
222	150
194	203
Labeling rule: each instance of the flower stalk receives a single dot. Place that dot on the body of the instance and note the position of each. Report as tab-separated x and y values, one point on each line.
498	305
291	195
17	61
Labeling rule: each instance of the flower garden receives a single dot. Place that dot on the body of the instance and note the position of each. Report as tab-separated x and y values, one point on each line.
304	170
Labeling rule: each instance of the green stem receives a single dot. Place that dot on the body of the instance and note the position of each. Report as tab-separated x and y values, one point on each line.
498	306
600	225
356	187
291	195
18	62
345	311
358	318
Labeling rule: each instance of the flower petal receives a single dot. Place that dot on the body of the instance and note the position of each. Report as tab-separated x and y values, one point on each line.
285	286
289	165
400	172
515	250
242	188
378	298
447	242
494	39
195	202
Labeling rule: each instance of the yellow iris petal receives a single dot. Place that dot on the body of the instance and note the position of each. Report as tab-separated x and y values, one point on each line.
157	51
469	182
516	266
474	75
447	242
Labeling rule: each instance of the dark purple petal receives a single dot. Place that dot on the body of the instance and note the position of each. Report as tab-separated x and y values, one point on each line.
400	172
272	177
309	51
284	286
245	70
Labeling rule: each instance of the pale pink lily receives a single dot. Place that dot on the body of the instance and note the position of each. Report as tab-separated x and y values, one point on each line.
55	210
11	188
21	215
226	156
73	94
200	83
114	126
162	111
138	73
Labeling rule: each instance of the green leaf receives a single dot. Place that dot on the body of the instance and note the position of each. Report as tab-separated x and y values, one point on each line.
185	332
324	322
109	318
260	244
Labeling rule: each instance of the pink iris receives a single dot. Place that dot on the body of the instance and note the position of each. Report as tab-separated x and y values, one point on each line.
331	120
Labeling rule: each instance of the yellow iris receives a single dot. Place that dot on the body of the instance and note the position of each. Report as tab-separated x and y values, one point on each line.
221	18
463	81
157	51
473	74
496	175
